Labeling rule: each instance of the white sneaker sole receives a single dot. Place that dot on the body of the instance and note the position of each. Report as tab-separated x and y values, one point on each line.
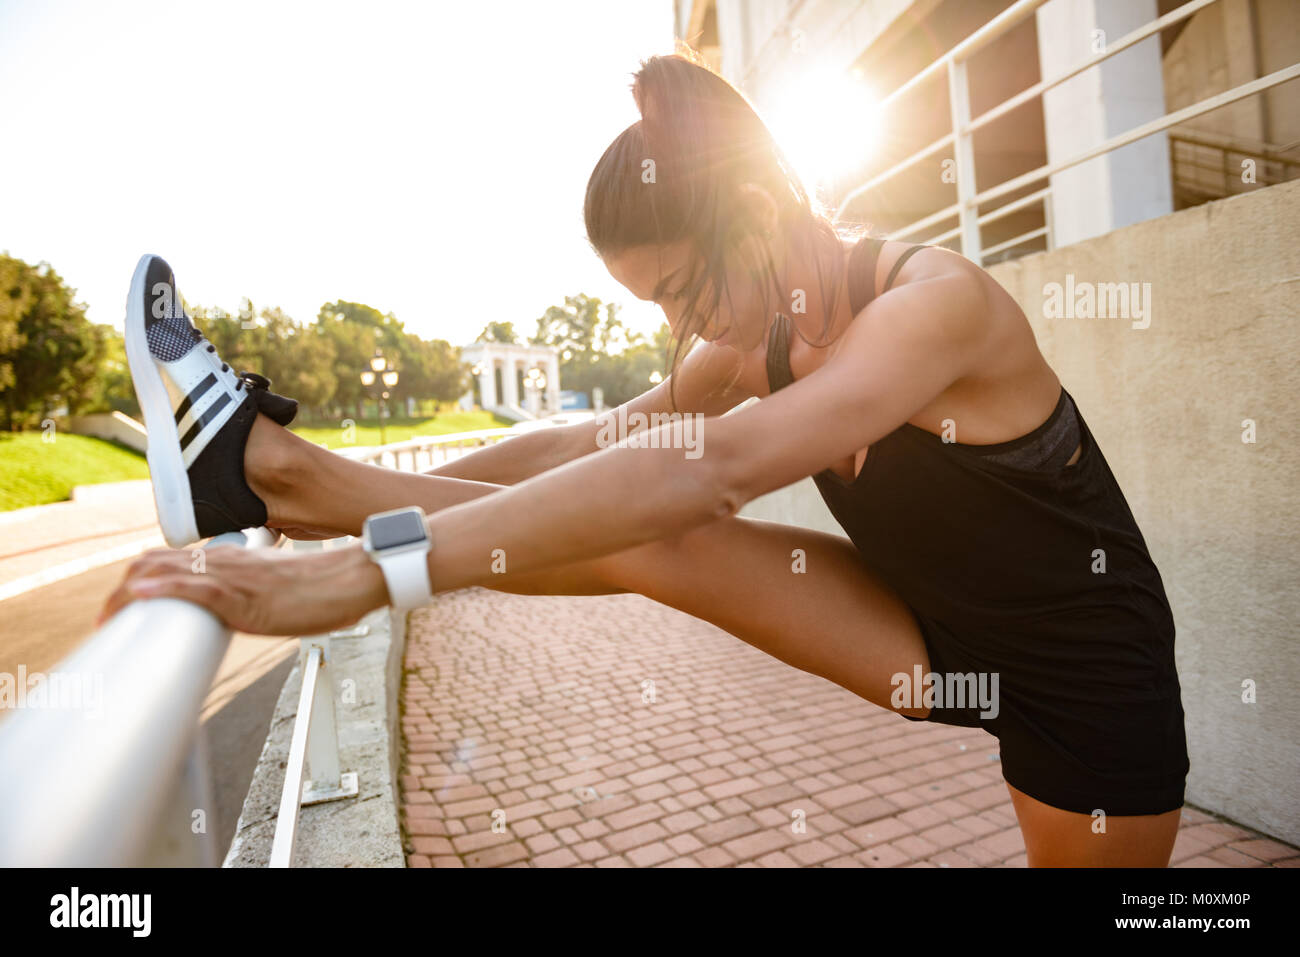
171	483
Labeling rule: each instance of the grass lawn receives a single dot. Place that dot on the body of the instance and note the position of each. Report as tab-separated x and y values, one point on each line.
332	435
33	472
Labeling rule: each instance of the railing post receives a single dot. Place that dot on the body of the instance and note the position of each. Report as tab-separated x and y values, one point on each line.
964	155
1047	221
327	782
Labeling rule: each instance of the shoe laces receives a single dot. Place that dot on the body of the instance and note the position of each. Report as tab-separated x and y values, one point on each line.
199	338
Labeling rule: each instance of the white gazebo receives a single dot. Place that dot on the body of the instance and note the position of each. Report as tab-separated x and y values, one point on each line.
540	368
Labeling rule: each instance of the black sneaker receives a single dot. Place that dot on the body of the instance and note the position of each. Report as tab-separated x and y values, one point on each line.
197	413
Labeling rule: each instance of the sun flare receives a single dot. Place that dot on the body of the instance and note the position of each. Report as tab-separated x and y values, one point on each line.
827	122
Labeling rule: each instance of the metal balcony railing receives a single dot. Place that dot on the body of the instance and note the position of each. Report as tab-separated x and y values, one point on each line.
1208	167
961	139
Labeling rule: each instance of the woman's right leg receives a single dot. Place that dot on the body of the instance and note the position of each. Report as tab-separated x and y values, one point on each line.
823	611
833	618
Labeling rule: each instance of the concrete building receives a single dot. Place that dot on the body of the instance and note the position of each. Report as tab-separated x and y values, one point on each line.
1171	163
761	45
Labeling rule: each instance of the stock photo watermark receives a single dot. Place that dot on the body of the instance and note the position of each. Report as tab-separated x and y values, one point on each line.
52	691
1102	300
638	430
953	690
128	911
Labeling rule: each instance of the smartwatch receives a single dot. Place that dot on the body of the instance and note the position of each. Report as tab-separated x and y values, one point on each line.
398	542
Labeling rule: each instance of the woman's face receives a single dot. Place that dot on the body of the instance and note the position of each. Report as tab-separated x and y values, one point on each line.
661	274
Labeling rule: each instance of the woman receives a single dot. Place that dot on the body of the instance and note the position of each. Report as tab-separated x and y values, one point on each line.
988	539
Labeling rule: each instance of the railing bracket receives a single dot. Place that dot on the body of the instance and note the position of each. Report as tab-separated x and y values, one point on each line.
347	789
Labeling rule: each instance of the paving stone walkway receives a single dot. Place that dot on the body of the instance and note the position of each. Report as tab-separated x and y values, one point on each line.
613	731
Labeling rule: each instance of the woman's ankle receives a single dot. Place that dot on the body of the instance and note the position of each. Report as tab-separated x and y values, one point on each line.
274	462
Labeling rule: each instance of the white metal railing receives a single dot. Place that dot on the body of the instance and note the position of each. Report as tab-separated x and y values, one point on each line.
436	450
117	781
961	138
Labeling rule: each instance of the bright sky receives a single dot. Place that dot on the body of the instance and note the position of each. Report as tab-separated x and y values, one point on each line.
428	159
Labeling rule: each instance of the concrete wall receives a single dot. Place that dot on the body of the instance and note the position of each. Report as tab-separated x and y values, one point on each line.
1167	405
111	425
1221	517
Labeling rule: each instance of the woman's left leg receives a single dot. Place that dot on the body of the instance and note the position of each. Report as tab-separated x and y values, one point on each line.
306	487
1057	838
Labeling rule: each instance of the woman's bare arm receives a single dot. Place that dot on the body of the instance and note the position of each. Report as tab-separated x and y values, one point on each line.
905	349
700	381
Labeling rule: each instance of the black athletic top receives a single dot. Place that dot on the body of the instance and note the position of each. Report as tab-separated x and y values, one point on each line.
1015	563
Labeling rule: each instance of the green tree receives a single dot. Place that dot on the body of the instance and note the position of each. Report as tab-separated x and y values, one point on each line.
113	390
352	335
498	332
431	369
627	373
49	353
597	349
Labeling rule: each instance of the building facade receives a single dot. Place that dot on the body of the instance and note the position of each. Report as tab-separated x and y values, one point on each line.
762	45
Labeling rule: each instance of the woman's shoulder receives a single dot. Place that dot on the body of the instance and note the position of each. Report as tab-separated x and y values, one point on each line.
920	261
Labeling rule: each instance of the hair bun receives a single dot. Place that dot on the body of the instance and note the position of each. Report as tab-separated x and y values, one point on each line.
673	85
648	92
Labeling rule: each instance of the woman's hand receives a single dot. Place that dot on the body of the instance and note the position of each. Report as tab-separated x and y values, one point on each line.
260	591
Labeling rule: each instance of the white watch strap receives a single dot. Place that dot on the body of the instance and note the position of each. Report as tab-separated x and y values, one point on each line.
407	577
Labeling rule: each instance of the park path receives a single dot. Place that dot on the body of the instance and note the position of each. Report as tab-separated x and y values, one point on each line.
613	731
99	524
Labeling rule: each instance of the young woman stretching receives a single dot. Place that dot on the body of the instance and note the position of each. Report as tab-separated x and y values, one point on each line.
988	538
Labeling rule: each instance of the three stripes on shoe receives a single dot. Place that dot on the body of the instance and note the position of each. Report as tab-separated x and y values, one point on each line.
206	416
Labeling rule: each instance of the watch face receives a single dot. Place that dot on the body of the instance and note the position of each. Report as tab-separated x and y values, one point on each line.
389	531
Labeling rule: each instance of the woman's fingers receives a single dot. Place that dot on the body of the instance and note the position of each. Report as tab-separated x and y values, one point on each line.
195	588
156	559
261	592
170	565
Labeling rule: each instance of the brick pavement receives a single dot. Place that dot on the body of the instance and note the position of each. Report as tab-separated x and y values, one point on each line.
613	731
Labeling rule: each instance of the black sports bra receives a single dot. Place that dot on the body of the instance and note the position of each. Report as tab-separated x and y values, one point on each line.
1047	448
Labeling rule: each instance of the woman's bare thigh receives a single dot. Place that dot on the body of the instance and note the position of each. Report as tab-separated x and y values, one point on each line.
803	596
1057	838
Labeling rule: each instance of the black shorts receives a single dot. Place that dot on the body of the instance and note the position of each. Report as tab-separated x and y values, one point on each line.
1078	747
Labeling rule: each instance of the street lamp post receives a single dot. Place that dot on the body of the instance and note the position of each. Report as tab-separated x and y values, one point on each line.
380	371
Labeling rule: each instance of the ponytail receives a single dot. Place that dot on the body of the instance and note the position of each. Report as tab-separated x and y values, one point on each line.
677	174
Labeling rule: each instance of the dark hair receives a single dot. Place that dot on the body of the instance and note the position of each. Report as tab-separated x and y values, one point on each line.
677	174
